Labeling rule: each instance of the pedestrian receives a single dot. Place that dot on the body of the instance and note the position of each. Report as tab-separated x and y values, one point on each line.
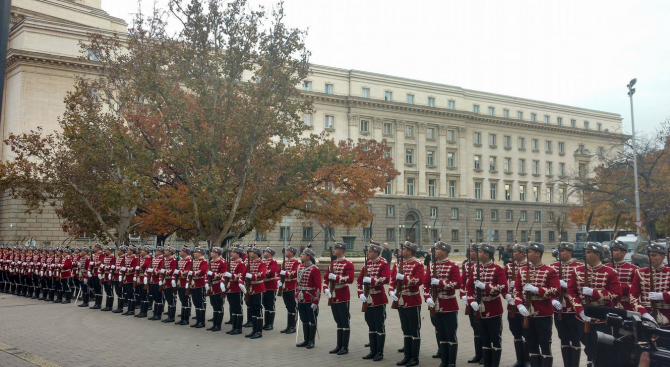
155	294
387	254
183	268
501	250
106	278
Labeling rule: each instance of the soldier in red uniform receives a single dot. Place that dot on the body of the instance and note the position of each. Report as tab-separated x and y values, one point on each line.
198	276
34	273
235	276
27	273
568	326
255	274
97	258
215	284
341	274
130	262
290	273
446	278
514	319
58	286
466	268
308	293
143	281
154	275
106	277
625	271
405	290
653	304
169	282
66	275
270	282
84	275
488	278
542	289
601	288
117	278
3	269
183	268
42	278
371	291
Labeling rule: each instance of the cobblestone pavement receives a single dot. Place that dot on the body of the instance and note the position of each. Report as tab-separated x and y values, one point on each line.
66	335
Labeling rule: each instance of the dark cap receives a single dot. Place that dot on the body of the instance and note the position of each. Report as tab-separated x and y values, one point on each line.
217	250
487	248
443	246
519	247
340	245
131	248
658	247
566	246
292	249
271	251
309	252
255	249
238	250
595	247
160	248
618	244
535	246
376	247
97	245
200	249
170	249
411	246
186	250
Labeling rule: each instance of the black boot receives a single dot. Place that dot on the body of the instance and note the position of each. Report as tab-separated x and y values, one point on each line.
185	316
119	305
269	320
158	311
496	354
346	333
98	302
416	347
305	335
68	297
547	361
200	318
143	310
486	356
339	342
478	351
518	349
372	337
407	348
35	293
312	336
535	360
292	320
215	319
51	296
576	353
288	324
237	325
443	349
248	323
84	300
259	329
59	297
453	352
381	340
170	314
253	327
109	303
131	308
566	353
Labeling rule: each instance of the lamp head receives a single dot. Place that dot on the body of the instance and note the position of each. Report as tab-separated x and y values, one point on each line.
632	83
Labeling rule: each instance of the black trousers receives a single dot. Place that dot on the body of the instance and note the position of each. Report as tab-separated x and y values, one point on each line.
217	302
538	336
58	286
183	298
94	283
515	325
109	291
269	300
155	295
589	340
290	302
144	293
235	302
137	292
473	324
446	325
198	296
49	282
118	289
568	330
489	332
66	284
84	287
307	315
128	291
169	296
375	317
255	305
410	321
341	314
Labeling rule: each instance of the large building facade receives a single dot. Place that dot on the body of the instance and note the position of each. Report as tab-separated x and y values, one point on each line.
472	164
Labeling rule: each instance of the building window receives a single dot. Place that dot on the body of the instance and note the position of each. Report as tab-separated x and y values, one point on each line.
561	147
452	105
493	166
508	165
533	117
522	166
508	192
410	186
550	195
510	236
492	111
548	146
506	113
454	213
561	195
433	212
390	233
536	167
388	152
430	133
601	152
538	216
496	236
509	215
494	191
581	149
493	140
366	233
564	235
550	166
519	115
454	234
536	194
365	92
494	215
329	89
573	123
390	211
550	217
409	156
522	216
284	233
307	86
431	187
451	135
522	192
452	189
260	236
478	162
431	102
451	160
599	127
546	119
524	236
586	125
475	108
388	190
559	121
535	144
307	233
478	138
365	126
330	122
479	214
538	236
478	190
409	131
307	119
410	98
479	235
388	129
561	169
552	236
430	158
522	143
388	96
507	141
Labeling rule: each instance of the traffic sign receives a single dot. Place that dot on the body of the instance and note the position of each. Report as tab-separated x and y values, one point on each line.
638	224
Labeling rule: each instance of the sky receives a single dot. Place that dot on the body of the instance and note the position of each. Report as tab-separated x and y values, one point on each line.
577	53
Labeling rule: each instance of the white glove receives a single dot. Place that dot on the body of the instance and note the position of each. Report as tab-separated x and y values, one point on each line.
88	274
363	298
430	302
434	281
134	279
656	296
120	278
206	286
176	272
332	276
400	277
480	285
222	285
510	299
587	291
557	305
465	300
150	270
367	280
393	296
247	275
314	306
243	288
190	273
31	263
102	266
210	273
564	284
174	284
160	283
24	263
113	267
137	268
328	294
531	288
584	317
146	281
50	273
123	268
279	283
187	285
648	317
523	310
227	275
41	273
475	306
162	271
283	272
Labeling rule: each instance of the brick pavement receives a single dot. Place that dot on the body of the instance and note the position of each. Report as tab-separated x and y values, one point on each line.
71	336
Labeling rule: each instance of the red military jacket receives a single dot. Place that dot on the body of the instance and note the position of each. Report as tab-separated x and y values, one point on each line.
258	271
450	280
49	262
379	273
29	264
290	266
409	295
22	259
218	268
169	266
272	271
466	268
156	266
606	289
639	293
97	258
184	266
199	267
85	267
66	267
626	272
511	270
145	263
544	277
130	263
57	265
309	284
116	269
344	272
237	270
493	276
567	273
107	267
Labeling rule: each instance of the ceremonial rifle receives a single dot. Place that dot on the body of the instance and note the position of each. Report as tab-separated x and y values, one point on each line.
247	282
364	271
587	283
433	288
331	284
516	242
398	287
561	294
529	295
209	277
469	269
478	314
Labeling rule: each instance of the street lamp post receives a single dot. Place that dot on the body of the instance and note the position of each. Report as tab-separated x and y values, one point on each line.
631	91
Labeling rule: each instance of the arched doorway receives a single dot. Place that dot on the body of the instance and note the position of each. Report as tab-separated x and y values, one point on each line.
412	234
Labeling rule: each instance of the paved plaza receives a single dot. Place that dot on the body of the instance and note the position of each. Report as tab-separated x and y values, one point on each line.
47	334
